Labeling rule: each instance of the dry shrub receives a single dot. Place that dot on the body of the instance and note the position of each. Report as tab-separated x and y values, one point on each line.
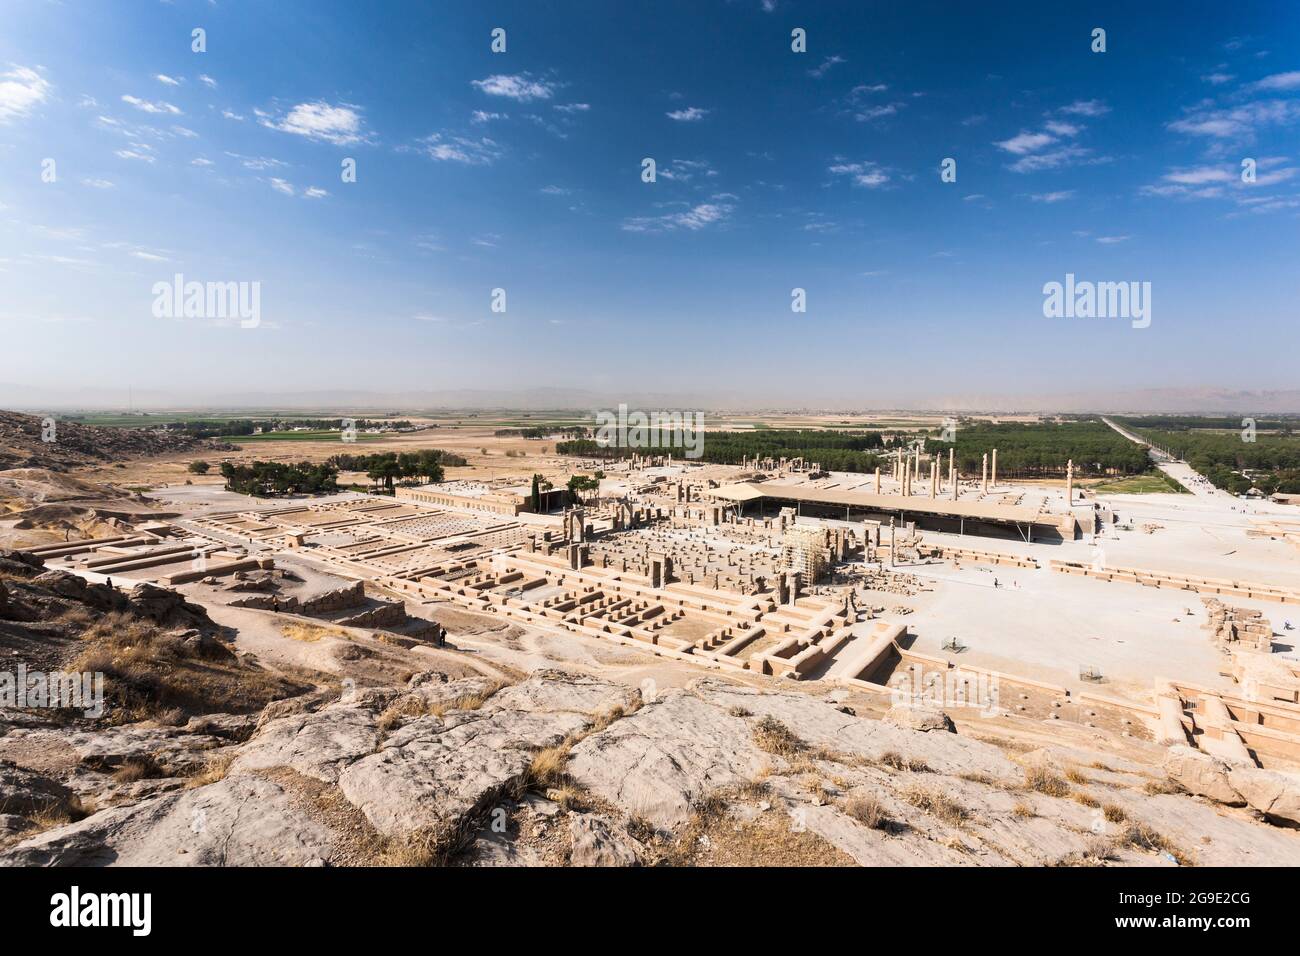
1082	798
896	761
138	768
1074	775
1114	813
1024	811
937	804
214	770
776	738
1142	837
1043	780
547	770
1154	788
867	810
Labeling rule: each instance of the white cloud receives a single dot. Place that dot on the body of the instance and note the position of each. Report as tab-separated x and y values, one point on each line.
231	115
1237	122
1218	79
1111	240
136	153
695	218
184	131
200	161
1025	142
1055	159
1086	108
207	81
1058	196
97	183
279	185
866	174
21	91
459	149
325	122
479	116
825	66
691	114
167	80
573	107
148	256
1279	81
314	192
519	86
869	113
150	106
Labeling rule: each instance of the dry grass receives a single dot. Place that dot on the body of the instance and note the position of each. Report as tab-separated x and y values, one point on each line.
149	674
776	738
1043	780
1154	788
937	804
1024	811
1082	798
1142	837
737	711
867	810
981	778
311	633
1114	813
1075	775
547	771
1096	852
896	761
138	768
214	770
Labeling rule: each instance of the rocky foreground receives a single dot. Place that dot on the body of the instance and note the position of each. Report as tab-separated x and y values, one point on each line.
559	769
208	756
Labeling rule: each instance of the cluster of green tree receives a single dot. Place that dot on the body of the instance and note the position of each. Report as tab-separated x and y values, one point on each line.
215	428
387	467
1041	449
1270	463
575	431
1180	423
266	478
836	450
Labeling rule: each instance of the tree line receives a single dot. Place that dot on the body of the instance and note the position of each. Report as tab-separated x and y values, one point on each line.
269	478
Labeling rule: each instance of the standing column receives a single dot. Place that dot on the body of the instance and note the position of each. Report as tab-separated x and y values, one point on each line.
984	468
877	481
1069	482
934	477
893	547
952	471
995	467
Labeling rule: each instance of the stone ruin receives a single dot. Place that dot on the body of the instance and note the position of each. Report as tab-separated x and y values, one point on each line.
1237	628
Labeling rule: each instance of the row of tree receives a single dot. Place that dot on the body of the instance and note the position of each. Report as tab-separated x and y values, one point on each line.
388	467
1037	449
268	478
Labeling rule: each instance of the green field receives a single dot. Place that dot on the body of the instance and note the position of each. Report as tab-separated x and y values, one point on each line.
1153	483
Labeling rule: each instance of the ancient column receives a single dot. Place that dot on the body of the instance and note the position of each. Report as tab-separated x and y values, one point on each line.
995	467
984	468
934	477
1069	482
893	547
877	481
952	472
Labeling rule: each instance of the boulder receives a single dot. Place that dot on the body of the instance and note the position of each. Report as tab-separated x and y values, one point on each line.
316	744
1272	793
240	821
596	842
27	793
436	772
1201	774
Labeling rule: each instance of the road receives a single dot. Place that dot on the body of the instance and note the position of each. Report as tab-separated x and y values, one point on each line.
1179	471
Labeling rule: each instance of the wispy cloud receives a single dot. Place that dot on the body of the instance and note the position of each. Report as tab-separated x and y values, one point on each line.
824	67
693	219
522	87
459	149
151	106
691	114
22	89
866	174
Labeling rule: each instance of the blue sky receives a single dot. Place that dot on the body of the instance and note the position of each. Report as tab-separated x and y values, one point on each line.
522	170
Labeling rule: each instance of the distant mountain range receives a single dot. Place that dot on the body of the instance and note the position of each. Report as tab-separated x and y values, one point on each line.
341	401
